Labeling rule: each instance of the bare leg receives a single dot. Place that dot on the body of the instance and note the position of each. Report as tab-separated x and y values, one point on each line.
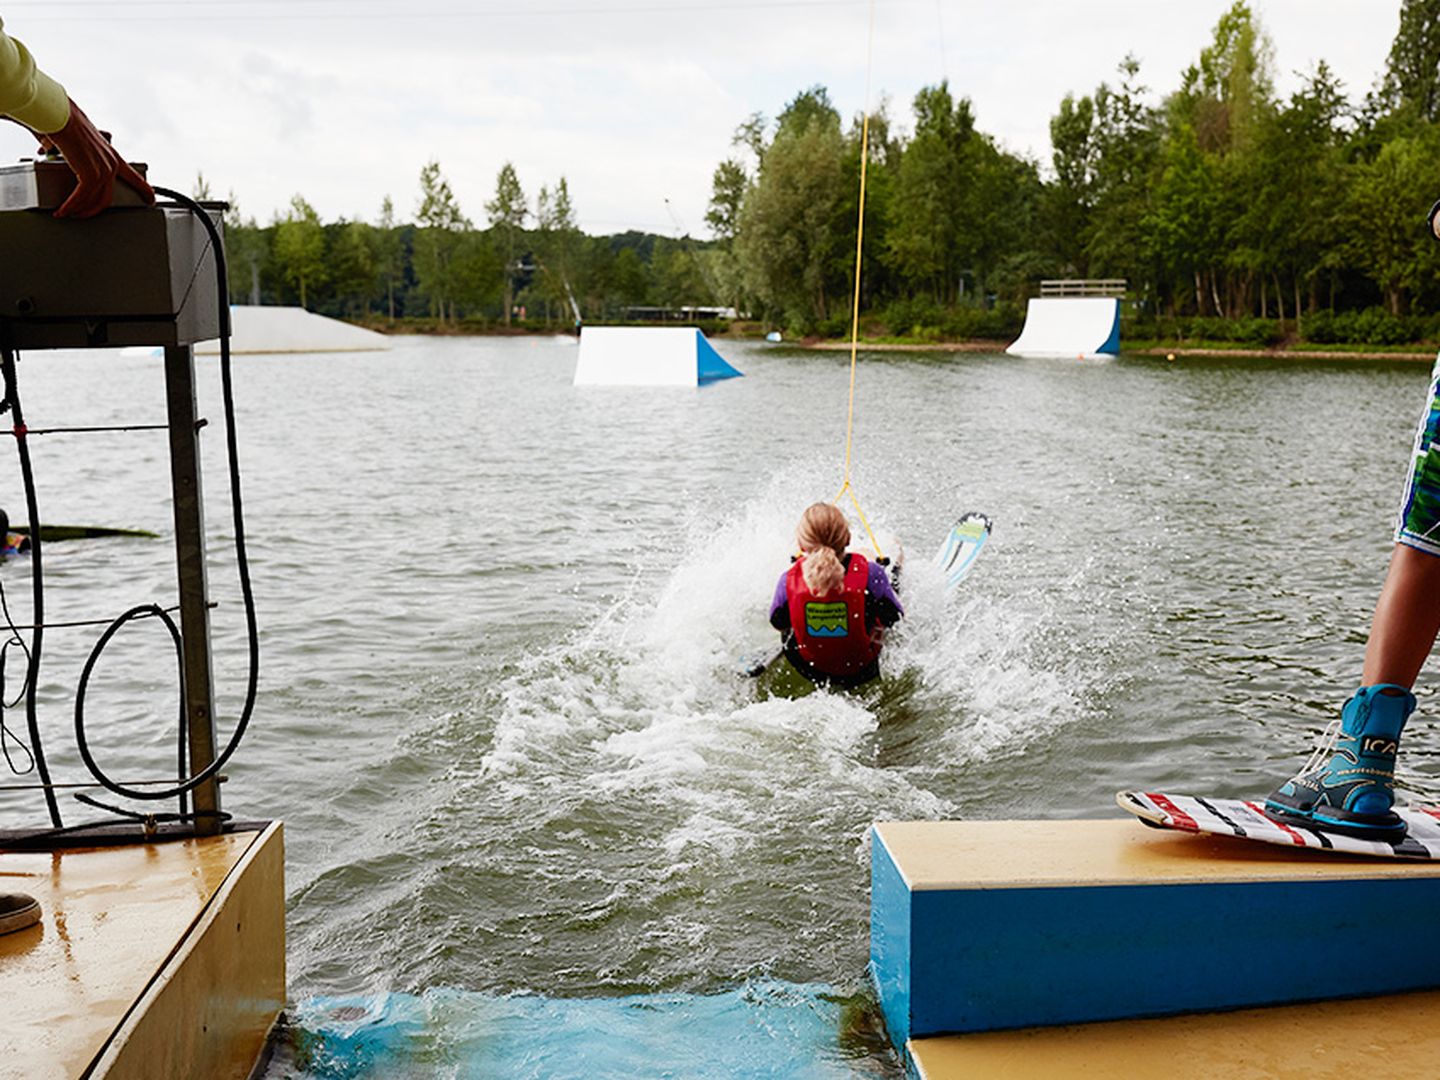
1407	619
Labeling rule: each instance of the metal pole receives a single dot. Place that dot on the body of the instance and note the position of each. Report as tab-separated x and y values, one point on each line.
194	590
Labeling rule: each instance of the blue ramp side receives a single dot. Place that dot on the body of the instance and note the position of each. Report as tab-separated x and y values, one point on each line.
1112	343
987	926
710	366
890	921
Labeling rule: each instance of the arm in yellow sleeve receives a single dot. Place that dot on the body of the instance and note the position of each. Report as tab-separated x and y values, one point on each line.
27	94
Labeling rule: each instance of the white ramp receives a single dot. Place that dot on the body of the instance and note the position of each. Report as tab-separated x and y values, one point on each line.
292	330
1070	326
648	356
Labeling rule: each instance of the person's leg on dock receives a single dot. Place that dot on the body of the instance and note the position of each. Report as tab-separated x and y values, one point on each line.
1407	619
1348	783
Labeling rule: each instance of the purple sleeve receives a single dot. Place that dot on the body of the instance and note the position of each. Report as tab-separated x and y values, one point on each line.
780	599
880	588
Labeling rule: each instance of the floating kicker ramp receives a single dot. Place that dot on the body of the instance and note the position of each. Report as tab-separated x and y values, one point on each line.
1073	320
648	356
1102	948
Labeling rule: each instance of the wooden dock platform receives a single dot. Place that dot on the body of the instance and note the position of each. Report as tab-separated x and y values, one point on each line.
162	959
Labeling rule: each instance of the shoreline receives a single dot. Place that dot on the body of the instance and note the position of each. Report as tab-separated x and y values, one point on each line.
973	346
1289	354
1192	351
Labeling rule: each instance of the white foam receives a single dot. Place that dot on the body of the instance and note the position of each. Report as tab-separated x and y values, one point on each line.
644	706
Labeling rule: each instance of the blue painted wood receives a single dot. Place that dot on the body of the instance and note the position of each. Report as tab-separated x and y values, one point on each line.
982	959
890	922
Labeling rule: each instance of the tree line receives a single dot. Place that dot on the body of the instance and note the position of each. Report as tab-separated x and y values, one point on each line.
528	260
1220	202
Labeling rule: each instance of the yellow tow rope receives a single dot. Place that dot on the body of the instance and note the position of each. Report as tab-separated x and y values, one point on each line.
846	487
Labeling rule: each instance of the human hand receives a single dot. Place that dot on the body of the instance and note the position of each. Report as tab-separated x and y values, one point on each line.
96	164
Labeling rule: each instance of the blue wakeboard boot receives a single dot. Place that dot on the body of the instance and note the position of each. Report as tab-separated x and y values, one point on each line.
1351	791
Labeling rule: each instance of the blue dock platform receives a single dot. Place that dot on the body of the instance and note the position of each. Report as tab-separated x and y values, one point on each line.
1009	948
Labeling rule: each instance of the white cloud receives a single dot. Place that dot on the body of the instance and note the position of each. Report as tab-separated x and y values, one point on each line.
633	104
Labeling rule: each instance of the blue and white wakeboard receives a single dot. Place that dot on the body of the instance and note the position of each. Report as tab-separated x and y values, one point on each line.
962	547
956	557
1245	819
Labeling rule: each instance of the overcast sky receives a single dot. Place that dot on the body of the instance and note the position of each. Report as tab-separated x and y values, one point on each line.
633	101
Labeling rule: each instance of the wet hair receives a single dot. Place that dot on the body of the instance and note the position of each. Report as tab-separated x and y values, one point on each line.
823	536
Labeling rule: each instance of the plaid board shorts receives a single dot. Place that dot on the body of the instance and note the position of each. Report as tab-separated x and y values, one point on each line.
1418	523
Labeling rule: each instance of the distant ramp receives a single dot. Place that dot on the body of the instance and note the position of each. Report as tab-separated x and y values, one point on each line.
1070	327
292	330
648	356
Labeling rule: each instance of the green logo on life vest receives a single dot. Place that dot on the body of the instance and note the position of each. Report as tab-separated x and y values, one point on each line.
827	620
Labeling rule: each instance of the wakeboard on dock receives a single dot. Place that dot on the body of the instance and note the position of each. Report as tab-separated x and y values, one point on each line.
1245	819
955	558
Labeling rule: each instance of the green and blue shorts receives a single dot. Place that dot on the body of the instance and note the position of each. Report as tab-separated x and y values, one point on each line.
1418	524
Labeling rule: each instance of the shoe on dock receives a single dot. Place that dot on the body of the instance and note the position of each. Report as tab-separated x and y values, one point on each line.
18	911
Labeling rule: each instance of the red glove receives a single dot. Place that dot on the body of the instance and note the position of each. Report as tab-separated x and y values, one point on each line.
97	165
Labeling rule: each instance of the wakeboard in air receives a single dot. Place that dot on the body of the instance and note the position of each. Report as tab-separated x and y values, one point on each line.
1244	818
955	558
962	547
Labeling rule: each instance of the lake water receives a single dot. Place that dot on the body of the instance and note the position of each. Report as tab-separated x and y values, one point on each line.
536	826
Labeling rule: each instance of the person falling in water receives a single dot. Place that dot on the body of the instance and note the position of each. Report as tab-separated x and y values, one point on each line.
832	608
11	543
1348	785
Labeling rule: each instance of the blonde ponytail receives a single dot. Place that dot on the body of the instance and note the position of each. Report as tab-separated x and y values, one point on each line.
822	571
823	536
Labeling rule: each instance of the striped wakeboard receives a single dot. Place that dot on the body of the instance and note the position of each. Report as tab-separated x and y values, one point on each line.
1244	818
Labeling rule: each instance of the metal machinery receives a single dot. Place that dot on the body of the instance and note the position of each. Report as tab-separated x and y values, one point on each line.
134	275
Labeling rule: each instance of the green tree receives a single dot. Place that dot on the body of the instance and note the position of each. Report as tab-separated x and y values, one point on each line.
1225	97
1070	199
246	251
677	275
389	253
786	232
1290	213
476	271
300	248
507	215
441	226
1183	221
631	281
1127	140
1380	220
1411	84
727	195
961	206
929	237
807	108
558	243
354	266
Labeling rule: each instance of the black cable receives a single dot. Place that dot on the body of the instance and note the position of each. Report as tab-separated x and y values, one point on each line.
37	585
140	611
241	560
12	639
31	839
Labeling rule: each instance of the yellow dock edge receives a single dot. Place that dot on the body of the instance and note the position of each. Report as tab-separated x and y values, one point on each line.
210	1010
1397	1035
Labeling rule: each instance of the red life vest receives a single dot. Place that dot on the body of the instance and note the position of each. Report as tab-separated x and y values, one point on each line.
830	630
